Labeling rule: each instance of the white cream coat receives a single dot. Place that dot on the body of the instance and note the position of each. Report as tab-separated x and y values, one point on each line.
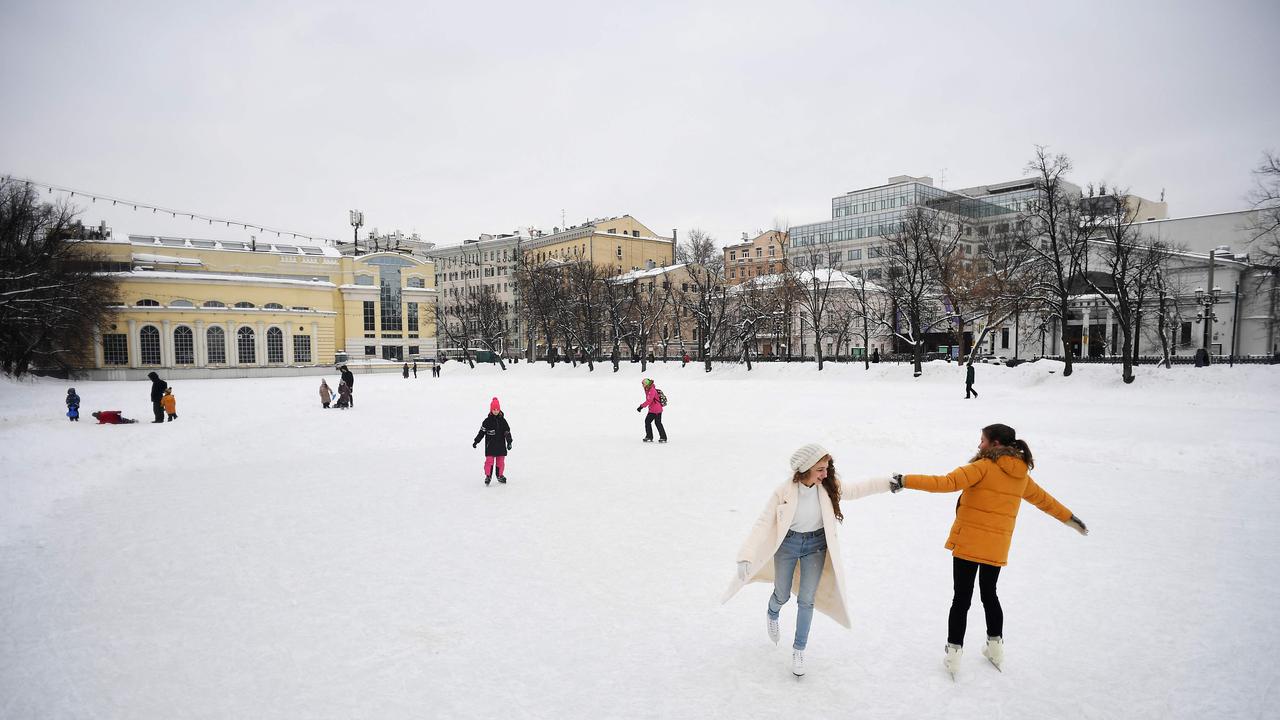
771	529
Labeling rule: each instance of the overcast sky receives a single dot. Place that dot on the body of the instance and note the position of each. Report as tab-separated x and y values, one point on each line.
453	119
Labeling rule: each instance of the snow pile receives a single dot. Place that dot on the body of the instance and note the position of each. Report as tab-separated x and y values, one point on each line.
261	557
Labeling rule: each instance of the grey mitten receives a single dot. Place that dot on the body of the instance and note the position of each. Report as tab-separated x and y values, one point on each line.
1078	525
744	570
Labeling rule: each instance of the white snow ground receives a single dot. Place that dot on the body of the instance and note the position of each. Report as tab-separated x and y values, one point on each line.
263	558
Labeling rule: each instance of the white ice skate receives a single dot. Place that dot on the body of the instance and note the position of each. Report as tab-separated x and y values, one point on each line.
773	628
994	651
797	663
952	661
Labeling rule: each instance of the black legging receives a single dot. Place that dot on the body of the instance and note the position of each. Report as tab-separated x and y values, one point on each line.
962	574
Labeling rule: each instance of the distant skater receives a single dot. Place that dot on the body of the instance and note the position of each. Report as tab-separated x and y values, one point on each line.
968	382
73	405
344	395
653	400
326	394
405	371
112	417
350	380
415	369
157	394
170	404
496	434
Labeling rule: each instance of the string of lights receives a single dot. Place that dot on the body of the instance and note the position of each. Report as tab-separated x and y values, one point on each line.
156	209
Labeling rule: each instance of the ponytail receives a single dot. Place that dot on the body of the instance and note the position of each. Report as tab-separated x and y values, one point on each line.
1008	437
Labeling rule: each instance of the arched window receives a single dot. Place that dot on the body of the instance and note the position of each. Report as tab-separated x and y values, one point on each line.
181	303
243	304
214	304
364	279
417	282
275	345
184	347
244	345
148	302
273	306
149	343
216	339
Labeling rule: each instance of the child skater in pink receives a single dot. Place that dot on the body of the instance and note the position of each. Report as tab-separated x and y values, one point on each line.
497	441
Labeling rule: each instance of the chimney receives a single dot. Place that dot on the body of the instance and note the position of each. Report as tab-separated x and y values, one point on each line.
675	236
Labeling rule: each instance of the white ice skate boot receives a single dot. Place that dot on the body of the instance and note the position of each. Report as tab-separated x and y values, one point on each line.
772	627
994	651
952	661
797	663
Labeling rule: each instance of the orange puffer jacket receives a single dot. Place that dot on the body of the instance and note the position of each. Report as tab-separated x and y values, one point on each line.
169	403
992	487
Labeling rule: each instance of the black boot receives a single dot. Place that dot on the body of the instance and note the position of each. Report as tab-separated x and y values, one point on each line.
487	478
502	479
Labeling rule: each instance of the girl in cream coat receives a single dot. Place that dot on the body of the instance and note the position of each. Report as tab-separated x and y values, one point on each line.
794	543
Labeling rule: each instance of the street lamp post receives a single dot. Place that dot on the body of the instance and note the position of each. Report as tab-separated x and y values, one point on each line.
1207	299
357	220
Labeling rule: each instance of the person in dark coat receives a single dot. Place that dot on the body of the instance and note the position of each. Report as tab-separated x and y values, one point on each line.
415	369
158	387
350	380
344	395
496	434
875	355
968	382
73	405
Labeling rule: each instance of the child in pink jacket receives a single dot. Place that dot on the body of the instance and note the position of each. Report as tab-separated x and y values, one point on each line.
652	402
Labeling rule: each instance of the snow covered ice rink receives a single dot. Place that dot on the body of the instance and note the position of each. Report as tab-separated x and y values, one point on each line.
263	558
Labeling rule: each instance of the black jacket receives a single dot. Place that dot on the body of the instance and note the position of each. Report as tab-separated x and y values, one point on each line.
348	378
157	387
968	375
496	433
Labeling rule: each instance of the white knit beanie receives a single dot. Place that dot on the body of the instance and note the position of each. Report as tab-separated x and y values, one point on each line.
806	457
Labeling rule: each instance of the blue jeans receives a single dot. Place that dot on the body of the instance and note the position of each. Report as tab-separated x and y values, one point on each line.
810	550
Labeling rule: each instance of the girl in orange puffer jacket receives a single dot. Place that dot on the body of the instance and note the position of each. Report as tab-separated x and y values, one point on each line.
992	487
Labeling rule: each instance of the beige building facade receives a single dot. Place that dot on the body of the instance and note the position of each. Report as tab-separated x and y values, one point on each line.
205	308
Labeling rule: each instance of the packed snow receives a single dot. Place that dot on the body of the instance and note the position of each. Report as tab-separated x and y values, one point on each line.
261	557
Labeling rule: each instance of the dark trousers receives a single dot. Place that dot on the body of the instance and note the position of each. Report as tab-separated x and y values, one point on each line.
649	421
968	388
158	410
962	574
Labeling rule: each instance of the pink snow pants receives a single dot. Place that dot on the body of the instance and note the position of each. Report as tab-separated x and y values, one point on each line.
502	464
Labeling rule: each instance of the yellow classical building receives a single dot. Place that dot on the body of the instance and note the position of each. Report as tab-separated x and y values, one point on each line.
209	308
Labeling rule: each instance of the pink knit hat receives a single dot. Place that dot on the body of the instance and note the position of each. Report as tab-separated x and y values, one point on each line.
494	406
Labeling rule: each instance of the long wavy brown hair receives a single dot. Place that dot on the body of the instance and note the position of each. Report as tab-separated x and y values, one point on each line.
831	484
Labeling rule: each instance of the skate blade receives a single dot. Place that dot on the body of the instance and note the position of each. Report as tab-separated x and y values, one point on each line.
994	665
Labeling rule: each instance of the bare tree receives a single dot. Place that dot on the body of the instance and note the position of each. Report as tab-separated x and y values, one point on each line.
1266	200
707	299
1128	268
867	302
912	283
754	304
489	318
813	274
1060	229
1007	274
582	309
52	296
542	291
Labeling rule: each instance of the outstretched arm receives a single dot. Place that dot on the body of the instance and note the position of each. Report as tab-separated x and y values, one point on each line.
863	488
961	478
1037	496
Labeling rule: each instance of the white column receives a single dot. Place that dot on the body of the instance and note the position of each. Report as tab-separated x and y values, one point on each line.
233	348
288	343
134	345
166	344
97	348
1110	319
315	343
201	345
260	340
1084	334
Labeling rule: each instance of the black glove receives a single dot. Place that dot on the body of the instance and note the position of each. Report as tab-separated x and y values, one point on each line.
475	443
895	483
639	408
1078	525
